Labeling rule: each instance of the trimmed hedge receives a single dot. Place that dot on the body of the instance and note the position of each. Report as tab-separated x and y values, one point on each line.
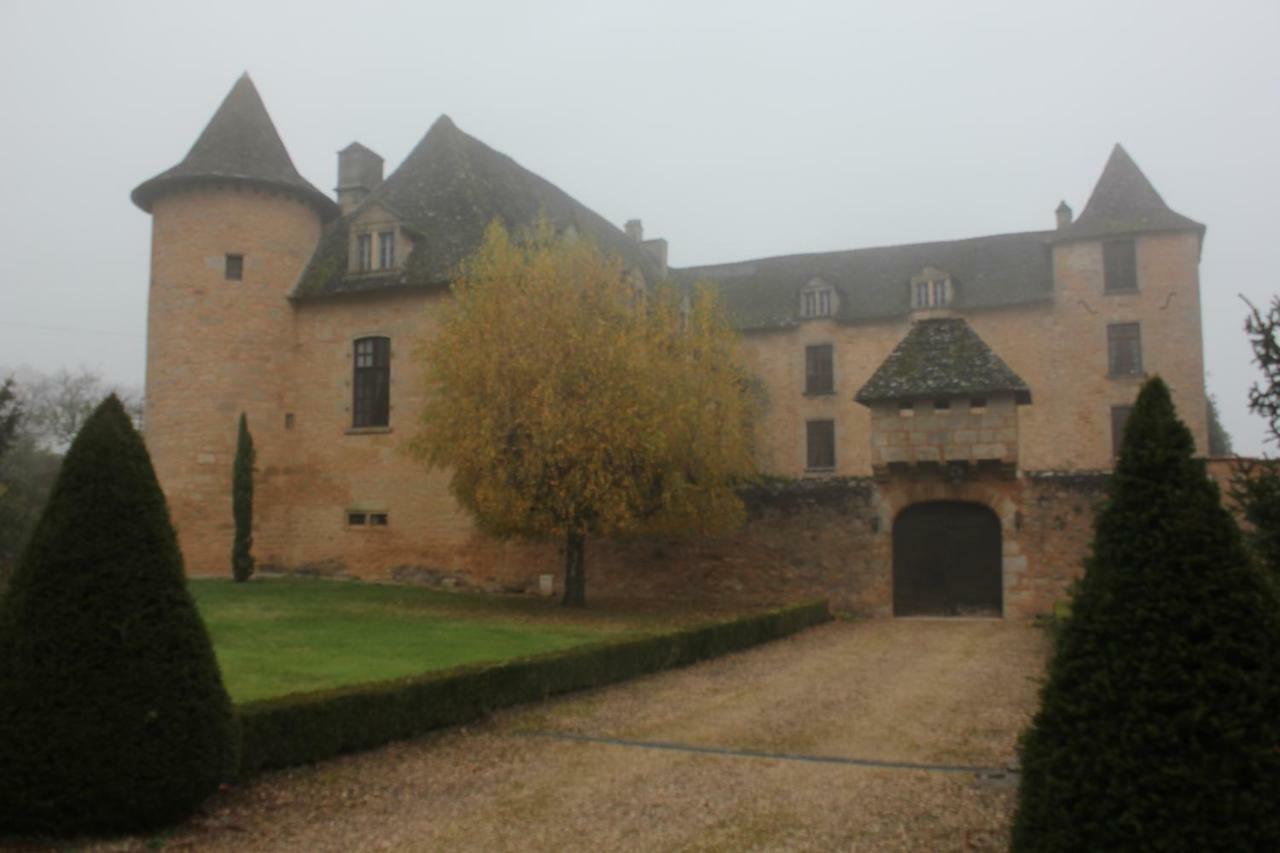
309	727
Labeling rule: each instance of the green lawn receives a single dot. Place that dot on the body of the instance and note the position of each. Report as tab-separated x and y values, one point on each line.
279	636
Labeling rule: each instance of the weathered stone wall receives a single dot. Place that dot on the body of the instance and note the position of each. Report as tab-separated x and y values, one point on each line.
959	433
219	347
1058	347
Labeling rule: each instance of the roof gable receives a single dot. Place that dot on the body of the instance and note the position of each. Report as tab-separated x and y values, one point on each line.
447	191
239	145
941	357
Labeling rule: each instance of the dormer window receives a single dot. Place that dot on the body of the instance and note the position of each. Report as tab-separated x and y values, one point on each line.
386	250
931	288
364	252
818	299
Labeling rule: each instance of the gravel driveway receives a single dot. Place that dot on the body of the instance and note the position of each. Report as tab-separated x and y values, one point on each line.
906	691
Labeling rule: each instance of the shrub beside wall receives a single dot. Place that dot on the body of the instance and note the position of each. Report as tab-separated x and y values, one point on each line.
311	727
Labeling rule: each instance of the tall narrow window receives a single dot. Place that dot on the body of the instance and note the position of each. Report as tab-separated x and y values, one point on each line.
364	252
386	250
819	372
234	269
1119	266
1124	349
371	384
820	451
1119	417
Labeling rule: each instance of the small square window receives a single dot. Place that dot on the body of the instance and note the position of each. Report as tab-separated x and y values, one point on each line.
378	519
234	269
1124	349
1119	266
941	405
357	519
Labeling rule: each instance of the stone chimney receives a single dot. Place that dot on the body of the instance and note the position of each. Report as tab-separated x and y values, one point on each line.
359	173
1064	215
657	249
634	230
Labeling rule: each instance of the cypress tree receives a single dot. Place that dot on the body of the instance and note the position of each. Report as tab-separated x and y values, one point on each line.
242	504
113	715
1159	723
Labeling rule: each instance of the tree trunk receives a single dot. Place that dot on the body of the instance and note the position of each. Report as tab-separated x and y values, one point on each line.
575	580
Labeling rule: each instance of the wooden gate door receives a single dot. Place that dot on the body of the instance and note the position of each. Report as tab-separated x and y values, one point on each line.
946	561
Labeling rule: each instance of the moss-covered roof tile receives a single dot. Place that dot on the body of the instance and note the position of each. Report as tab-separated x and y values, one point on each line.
940	358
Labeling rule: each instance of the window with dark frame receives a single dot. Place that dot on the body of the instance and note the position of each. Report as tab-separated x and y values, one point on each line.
357	519
1119	266
819	369
386	250
377	519
1119	417
1124	349
364	252
371	383
820	453
234	269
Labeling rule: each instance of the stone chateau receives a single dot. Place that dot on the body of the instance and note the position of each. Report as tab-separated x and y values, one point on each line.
940	416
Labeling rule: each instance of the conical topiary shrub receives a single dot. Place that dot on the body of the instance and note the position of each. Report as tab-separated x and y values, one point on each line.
113	715
1159	727
242	504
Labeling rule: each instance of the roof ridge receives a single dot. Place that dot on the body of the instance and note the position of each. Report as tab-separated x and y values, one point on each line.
833	253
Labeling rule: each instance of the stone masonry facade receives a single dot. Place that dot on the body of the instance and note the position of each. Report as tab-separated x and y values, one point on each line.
278	342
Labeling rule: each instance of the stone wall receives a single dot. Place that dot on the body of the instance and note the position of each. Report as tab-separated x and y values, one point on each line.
961	432
1058	347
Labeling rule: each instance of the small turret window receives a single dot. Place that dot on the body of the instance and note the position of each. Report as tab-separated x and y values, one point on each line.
1119	266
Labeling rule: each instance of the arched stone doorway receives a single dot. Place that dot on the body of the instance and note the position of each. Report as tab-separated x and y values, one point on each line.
947	560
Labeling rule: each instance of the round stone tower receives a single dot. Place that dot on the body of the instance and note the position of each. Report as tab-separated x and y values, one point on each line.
233	227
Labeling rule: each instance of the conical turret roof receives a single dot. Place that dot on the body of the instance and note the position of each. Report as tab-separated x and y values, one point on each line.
239	145
1125	202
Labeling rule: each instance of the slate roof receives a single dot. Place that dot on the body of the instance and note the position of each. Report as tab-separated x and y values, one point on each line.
1125	202
941	357
1005	269
240	145
446	192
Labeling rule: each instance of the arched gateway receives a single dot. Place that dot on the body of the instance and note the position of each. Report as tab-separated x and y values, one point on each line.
946	561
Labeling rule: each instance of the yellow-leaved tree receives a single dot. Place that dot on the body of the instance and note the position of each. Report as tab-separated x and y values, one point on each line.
569	404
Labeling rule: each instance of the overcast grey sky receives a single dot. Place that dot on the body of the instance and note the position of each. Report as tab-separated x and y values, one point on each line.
735	129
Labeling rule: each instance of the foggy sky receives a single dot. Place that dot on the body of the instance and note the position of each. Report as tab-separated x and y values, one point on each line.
735	129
